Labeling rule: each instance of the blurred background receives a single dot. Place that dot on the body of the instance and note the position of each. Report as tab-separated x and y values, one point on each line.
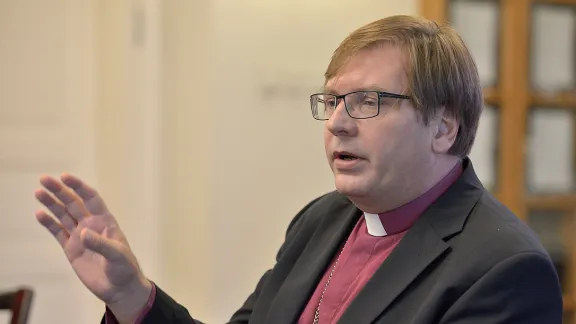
191	118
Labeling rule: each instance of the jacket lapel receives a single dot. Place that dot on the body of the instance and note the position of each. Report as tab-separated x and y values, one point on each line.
300	284
420	247
422	244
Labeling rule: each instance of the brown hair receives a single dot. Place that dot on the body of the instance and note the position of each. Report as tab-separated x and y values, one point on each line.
441	71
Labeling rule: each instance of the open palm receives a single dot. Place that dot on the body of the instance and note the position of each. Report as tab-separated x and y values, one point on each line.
89	235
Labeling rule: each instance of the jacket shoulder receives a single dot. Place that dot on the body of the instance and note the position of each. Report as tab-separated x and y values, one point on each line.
331	203
494	233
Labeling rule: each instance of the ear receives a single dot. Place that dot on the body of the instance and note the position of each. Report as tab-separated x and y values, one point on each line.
446	132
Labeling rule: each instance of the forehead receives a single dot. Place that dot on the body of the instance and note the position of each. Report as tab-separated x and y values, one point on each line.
379	68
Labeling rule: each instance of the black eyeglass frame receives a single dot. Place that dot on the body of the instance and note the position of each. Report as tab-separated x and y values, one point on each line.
381	94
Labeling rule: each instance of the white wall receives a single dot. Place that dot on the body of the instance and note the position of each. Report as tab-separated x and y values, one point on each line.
240	163
128	120
47	103
216	146
211	166
268	150
187	151
167	114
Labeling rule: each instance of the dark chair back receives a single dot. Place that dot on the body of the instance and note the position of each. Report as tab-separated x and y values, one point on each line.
18	302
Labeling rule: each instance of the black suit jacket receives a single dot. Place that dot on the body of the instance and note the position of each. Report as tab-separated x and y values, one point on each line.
468	259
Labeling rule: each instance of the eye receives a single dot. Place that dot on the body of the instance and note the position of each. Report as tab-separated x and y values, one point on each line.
330	103
370	102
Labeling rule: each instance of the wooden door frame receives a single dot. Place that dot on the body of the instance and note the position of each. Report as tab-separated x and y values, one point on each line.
514	98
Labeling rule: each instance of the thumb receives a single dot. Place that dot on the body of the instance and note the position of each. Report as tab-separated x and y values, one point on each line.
109	249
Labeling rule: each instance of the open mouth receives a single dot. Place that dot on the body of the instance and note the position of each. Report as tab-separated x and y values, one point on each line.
345	156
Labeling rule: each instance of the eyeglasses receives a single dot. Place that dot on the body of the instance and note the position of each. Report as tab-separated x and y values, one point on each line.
359	104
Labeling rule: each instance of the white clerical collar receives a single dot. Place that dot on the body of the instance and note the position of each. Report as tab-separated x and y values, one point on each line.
374	225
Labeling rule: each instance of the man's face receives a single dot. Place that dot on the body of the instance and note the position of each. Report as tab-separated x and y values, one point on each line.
393	148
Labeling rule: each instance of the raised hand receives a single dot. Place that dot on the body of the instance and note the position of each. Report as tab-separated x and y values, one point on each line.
92	241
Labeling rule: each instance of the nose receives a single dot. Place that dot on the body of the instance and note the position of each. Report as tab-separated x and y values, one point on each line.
340	123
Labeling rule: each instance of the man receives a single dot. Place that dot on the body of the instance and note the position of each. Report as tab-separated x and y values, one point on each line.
409	236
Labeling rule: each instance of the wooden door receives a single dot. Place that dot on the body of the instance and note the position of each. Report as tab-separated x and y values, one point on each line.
525	153
46	126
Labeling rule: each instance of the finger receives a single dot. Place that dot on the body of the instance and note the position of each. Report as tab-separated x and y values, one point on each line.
57	208
59	233
109	249
71	201
94	203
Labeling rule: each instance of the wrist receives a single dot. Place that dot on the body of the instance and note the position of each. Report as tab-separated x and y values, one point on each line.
132	302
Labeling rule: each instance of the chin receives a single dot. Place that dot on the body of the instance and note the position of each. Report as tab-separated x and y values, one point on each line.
352	186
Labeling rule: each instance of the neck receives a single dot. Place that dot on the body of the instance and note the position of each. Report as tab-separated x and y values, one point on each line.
412	186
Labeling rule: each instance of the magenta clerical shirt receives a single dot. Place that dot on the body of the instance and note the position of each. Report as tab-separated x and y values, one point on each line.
371	241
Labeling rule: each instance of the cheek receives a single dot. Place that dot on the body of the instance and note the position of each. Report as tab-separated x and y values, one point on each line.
386	136
327	136
327	139
393	143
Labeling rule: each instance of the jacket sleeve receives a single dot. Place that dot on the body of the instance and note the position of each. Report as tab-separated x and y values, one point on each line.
523	288
165	310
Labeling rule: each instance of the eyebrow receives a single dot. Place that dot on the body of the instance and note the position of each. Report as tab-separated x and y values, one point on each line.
364	88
